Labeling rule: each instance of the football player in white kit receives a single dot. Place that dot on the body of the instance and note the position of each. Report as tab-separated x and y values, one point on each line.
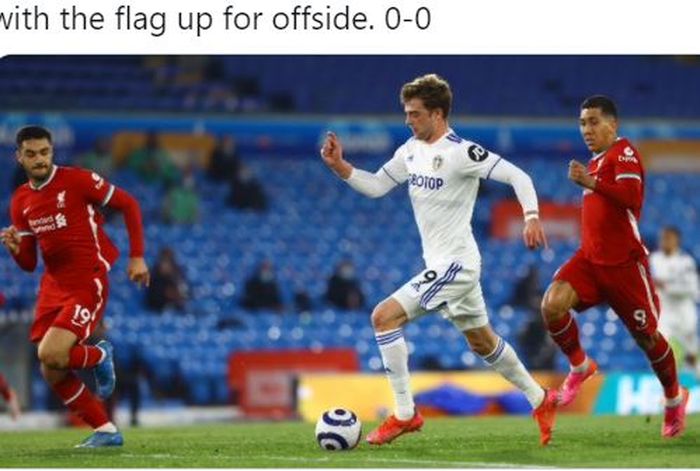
676	278
443	171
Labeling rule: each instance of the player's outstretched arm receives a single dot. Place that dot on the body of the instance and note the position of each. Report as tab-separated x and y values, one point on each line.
22	249
137	269
369	184
505	172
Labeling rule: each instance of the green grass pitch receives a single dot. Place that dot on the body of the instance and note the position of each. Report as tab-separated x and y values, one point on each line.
455	442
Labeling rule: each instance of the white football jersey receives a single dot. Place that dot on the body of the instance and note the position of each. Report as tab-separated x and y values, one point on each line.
443	182
678	281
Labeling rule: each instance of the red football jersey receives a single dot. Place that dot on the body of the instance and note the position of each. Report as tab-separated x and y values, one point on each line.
62	214
610	234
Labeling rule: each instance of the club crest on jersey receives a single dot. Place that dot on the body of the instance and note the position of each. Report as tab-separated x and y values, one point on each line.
477	153
437	162
61	199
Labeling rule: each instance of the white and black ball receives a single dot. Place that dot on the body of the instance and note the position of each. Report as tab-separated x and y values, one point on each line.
338	429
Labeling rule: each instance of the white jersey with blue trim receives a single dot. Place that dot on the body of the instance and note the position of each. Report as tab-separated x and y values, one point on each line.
443	182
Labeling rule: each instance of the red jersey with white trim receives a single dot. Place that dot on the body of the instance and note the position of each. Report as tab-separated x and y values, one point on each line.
610	233
62	214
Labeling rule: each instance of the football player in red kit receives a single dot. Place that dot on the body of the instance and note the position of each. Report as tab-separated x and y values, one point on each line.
57	209
611	266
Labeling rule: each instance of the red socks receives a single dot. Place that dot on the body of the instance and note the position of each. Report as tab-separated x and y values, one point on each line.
564	332
4	388
84	356
664	365
78	398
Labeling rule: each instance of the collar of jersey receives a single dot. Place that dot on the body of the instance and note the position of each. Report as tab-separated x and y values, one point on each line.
447	133
48	180
600	154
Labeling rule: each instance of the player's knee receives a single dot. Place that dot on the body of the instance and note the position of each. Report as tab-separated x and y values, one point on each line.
555	305
387	315
52	357
380	317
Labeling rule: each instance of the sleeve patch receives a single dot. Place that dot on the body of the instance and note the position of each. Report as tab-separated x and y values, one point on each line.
477	153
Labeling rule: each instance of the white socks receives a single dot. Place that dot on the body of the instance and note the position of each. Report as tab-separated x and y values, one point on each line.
582	367
395	357
109	427
504	360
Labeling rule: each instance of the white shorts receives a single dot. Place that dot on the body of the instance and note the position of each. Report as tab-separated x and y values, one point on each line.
453	290
682	326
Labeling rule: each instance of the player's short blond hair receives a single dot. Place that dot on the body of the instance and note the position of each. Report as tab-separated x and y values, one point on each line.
432	90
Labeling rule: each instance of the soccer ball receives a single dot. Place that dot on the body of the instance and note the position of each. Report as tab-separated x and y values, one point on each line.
338	429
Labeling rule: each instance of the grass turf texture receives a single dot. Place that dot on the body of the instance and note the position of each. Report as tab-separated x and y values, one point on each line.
462	442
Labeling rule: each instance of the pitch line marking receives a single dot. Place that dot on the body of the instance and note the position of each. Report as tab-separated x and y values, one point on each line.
478	464
456	464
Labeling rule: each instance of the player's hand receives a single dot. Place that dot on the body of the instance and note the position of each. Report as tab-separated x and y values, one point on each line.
11	239
332	156
533	234
578	173
138	271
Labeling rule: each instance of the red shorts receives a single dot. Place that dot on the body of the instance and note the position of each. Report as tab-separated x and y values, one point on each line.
628	289
77	307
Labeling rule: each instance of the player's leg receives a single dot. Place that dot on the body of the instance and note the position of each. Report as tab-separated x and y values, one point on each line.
632	296
574	287
689	339
462	302
10	396
54	357
500	356
388	319
59	350
81	313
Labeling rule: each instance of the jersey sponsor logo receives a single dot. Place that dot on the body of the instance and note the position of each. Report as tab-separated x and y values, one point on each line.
628	158
48	223
437	162
61	199
422	181
477	153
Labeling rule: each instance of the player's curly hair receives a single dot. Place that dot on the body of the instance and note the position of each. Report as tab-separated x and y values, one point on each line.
432	89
